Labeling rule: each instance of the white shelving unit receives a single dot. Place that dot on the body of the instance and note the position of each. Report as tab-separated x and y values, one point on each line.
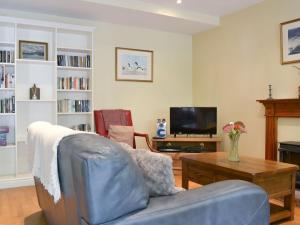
63	39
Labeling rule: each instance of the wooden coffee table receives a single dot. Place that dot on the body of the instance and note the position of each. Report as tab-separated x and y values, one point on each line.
276	178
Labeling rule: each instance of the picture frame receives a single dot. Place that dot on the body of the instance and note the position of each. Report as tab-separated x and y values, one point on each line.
33	50
290	41
133	65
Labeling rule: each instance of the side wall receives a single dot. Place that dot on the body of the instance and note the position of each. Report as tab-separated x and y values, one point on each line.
147	101
234	64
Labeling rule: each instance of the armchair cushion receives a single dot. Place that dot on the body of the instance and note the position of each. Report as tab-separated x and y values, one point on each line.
121	134
157	170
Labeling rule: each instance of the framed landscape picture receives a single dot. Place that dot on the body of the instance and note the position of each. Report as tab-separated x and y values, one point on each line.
290	41
134	65
33	50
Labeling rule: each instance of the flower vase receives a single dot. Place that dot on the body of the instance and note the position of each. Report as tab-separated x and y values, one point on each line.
234	148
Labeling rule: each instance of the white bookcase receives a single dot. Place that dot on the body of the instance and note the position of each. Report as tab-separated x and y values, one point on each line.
70	40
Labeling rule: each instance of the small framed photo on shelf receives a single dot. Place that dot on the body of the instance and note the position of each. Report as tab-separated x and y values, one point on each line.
33	50
290	41
134	65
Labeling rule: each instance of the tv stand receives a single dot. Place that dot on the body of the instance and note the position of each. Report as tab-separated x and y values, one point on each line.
177	146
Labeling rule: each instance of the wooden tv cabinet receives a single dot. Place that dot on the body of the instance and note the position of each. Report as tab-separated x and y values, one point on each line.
207	144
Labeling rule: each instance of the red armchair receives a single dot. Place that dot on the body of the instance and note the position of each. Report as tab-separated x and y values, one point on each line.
105	118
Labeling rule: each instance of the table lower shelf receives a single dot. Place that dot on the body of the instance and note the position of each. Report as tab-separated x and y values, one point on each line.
278	213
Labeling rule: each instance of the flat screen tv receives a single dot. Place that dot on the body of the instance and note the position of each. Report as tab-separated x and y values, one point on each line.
193	120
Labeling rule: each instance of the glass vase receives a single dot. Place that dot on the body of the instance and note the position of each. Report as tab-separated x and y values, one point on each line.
234	148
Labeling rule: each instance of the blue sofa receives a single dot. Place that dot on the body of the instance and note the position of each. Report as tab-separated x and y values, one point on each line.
101	184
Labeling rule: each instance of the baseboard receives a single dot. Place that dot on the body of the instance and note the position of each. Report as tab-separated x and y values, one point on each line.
16	182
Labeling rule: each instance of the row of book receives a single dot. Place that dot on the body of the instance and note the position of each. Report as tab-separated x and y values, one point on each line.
82	127
70	105
74	61
7	105
7	80
76	83
7	56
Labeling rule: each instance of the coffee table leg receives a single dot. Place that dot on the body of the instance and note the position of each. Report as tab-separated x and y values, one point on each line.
289	201
185	180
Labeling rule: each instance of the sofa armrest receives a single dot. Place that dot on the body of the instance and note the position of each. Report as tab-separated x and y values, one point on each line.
226	202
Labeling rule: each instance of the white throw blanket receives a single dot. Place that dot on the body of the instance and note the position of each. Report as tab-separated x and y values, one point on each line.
44	138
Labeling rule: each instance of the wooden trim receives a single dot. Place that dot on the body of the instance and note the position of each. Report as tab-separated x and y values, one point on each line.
274	109
133	49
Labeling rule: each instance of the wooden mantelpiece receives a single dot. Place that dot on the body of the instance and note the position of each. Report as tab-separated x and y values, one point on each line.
275	108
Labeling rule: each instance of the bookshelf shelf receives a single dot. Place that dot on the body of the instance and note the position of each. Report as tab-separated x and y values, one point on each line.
73	113
73	68
6	64
37	100
7	43
36	61
65	49
7	147
7	89
7	114
74	90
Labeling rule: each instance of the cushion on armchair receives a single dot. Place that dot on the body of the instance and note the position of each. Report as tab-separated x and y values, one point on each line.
108	182
121	134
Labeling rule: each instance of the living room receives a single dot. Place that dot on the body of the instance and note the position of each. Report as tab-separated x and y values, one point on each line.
226	56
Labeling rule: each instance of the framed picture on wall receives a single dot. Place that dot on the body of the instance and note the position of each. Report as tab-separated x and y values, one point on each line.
134	65
33	50
290	41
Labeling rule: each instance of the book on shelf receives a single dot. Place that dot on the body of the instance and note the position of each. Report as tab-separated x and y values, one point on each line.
75	83
7	105
70	105
7	79
7	56
74	60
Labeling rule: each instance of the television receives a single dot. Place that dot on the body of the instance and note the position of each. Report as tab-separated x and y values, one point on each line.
193	120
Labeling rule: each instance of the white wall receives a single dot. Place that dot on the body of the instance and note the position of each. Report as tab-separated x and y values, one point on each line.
148	101
234	64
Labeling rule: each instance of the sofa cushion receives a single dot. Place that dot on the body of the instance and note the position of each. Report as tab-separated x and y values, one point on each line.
157	170
107	182
121	134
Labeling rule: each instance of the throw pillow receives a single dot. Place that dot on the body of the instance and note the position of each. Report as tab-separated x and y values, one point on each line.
157	170
121	134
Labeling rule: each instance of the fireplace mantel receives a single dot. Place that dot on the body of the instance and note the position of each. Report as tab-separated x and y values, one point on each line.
275	108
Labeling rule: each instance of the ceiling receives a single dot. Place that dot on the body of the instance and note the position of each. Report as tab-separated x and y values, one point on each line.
190	17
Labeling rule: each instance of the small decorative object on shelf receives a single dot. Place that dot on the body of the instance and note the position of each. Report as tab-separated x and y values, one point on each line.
234	130
161	128
34	93
270	91
3	135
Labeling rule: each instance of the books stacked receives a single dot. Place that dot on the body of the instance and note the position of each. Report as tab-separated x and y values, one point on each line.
7	105
7	56
74	61
7	80
69	105
82	127
76	83
3	135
